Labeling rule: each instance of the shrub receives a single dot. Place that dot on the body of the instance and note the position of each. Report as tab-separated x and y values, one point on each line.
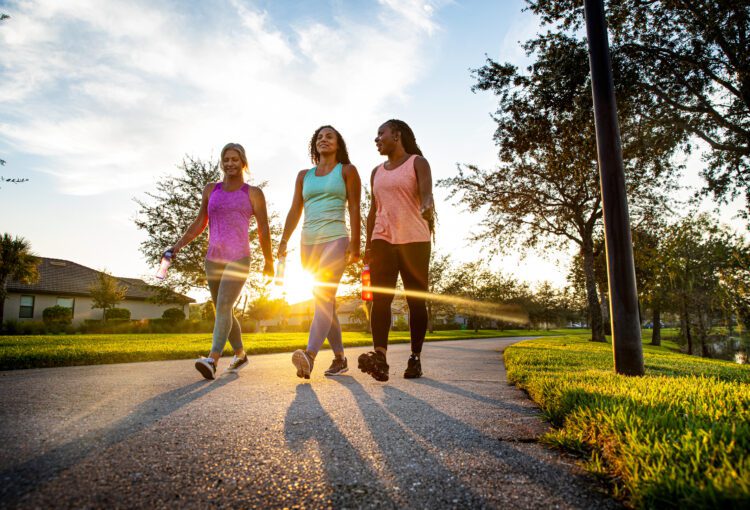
117	313
400	324
57	316
208	312
173	315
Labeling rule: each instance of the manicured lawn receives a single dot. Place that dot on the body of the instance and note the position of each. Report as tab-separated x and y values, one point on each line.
679	437
18	352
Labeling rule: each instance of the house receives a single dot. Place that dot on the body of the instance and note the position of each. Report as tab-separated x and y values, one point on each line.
65	283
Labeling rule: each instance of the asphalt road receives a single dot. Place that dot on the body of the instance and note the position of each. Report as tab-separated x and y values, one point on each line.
157	435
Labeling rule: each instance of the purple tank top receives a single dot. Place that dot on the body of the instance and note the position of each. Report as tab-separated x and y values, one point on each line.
229	215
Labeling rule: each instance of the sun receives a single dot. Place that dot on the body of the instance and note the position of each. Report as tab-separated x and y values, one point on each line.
297	285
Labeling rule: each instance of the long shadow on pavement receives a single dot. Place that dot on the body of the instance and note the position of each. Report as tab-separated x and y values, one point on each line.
352	479
23	478
421	477
449	388
510	462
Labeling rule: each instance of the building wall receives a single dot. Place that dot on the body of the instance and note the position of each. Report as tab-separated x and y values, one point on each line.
82	309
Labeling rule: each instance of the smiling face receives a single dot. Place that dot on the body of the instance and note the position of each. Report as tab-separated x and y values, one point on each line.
232	163
326	142
387	140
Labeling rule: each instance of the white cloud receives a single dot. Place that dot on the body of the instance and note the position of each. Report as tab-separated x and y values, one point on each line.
114	93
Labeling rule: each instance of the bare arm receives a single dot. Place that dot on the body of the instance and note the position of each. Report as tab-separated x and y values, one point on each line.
294	214
353	197
199	224
258	201
370	217
424	178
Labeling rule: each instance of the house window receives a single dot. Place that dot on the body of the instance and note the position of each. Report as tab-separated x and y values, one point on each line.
27	307
67	303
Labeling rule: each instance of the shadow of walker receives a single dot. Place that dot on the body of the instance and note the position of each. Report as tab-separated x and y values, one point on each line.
23	478
352	480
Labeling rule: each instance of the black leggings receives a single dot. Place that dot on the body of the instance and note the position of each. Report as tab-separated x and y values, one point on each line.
387	260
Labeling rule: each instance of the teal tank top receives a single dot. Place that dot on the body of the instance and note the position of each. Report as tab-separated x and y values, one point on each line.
325	202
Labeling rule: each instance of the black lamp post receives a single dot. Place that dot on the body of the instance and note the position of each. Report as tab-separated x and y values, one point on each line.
623	295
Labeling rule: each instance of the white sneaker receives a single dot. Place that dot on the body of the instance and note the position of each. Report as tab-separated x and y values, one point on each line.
236	365
206	367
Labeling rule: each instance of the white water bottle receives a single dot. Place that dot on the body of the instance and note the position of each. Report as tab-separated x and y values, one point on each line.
166	261
280	268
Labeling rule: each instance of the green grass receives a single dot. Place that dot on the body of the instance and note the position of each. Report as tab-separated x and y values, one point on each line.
18	352
677	437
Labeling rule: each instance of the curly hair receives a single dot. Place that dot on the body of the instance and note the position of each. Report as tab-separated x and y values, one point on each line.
408	140
342	155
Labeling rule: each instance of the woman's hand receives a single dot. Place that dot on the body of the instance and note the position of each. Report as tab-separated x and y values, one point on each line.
428	209
367	257
268	269
352	253
281	252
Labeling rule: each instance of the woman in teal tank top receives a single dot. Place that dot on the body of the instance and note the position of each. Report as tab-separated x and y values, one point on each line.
324	193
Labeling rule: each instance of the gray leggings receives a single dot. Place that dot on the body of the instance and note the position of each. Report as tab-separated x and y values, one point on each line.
225	281
326	261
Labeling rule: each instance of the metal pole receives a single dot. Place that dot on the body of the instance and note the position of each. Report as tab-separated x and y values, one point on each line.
623	295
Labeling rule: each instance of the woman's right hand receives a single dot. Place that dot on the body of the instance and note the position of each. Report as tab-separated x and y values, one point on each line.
281	252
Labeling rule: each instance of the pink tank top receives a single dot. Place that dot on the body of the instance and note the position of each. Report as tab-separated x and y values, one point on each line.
397	218
229	215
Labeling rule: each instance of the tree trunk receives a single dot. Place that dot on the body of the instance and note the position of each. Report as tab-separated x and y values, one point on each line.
595	311
3	295
702	334
688	336
656	333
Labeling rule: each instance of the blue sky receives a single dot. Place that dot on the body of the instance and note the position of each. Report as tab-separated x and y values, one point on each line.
100	98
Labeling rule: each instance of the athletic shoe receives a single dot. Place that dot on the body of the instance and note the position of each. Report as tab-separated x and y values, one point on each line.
206	367
338	366
237	364
413	367
374	363
303	362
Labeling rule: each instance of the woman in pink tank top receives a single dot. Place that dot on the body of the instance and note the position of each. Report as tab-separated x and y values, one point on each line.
226	208
399	228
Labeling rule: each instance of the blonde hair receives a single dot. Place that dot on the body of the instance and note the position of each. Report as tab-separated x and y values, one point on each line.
231	146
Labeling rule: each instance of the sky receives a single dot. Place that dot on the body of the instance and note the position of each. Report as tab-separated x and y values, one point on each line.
100	99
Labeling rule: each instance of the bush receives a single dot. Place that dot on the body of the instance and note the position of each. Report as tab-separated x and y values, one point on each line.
173	315
117	313
57	316
400	324
208	312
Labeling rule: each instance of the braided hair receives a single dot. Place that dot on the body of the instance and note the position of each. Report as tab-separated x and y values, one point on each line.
408	140
342	155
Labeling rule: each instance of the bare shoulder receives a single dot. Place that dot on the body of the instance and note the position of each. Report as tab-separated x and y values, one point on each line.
421	161
209	188
255	192
349	169
301	174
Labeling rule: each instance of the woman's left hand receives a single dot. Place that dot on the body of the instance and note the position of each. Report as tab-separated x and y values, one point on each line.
268	269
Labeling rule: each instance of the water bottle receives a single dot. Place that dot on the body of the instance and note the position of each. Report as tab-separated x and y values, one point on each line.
280	267
166	261
366	284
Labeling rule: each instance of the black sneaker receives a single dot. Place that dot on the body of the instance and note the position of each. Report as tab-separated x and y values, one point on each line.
303	362
413	367
374	363
338	366
206	367
237	364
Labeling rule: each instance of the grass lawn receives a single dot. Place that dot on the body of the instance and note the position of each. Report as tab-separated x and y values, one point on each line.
679	437
18	352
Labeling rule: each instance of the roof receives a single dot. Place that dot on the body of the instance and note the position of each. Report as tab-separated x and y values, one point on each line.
57	276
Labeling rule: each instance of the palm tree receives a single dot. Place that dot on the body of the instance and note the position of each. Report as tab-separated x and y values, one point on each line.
16	262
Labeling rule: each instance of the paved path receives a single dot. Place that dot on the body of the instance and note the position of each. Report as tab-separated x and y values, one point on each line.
155	435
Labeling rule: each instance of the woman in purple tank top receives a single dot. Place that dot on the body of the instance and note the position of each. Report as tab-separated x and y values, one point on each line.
226	208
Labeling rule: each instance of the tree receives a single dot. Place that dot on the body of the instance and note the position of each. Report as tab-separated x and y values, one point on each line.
264	308
165	214
106	292
704	263
439	271
546	192
692	57
16	263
